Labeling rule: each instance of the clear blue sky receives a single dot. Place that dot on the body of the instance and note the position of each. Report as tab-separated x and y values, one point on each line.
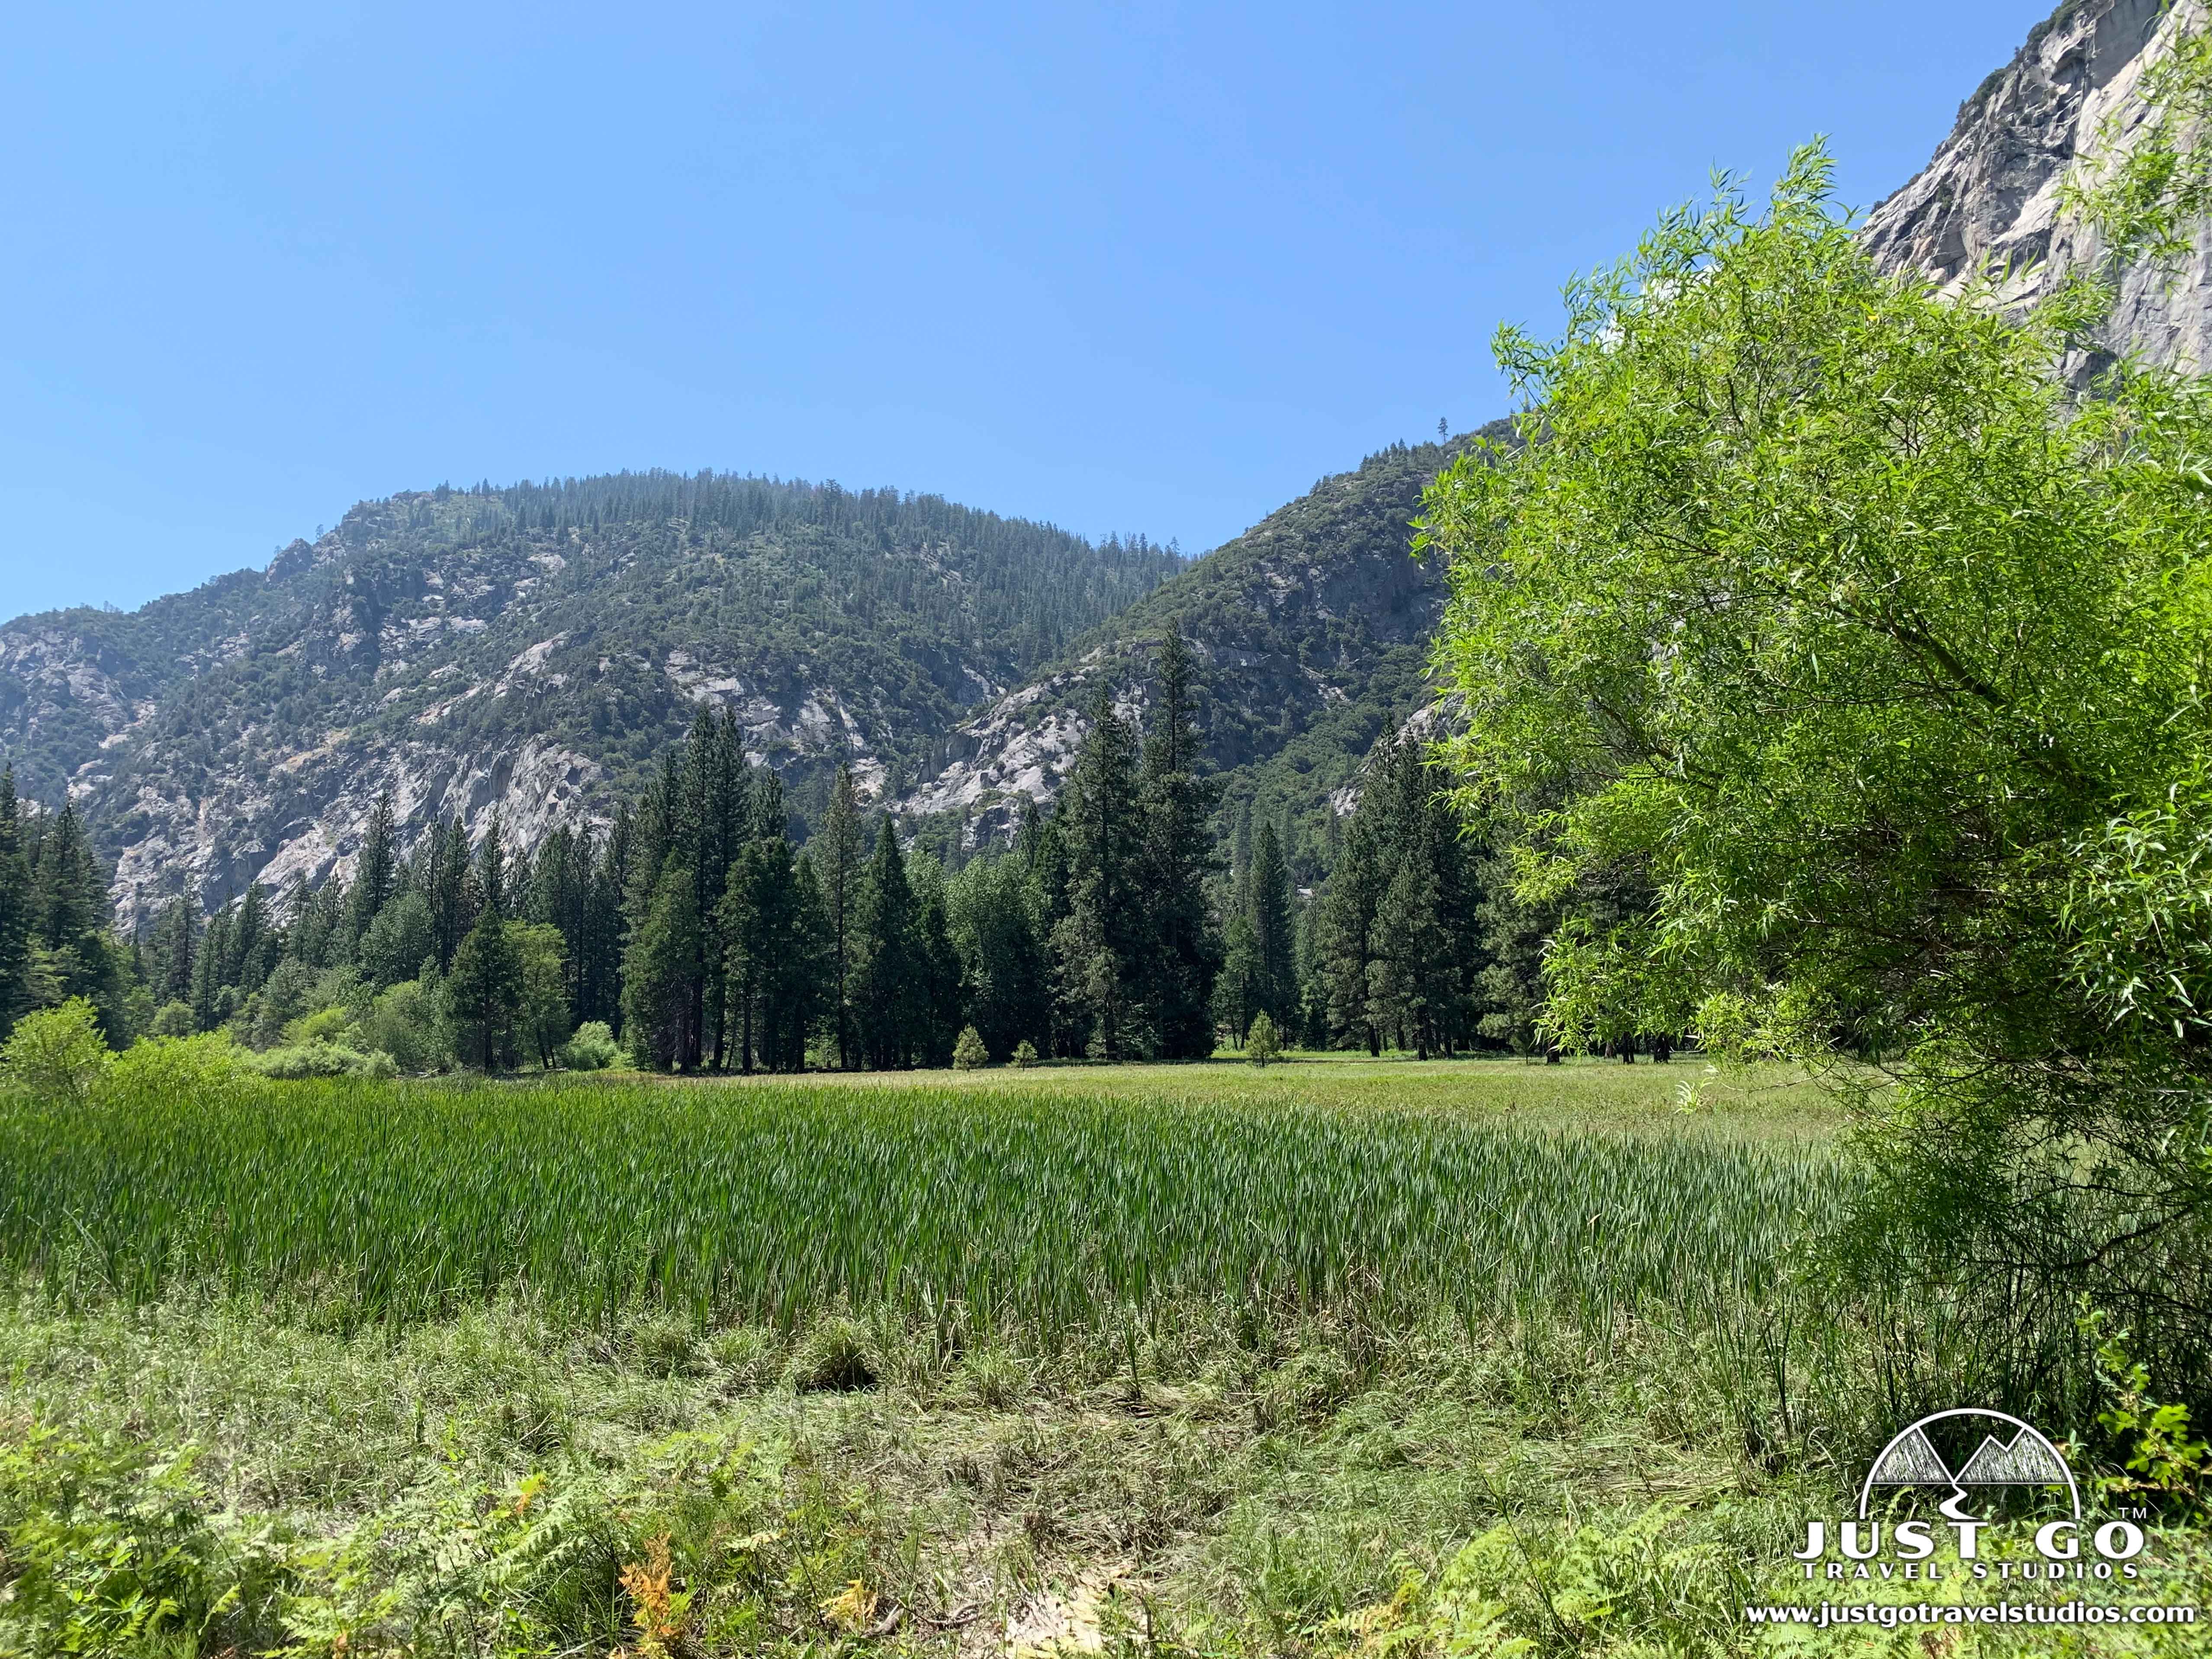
1136	268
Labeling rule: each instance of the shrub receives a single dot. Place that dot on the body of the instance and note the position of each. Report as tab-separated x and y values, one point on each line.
969	1052
1025	1054
58	1051
306	1060
407	1022
167	1066
594	1049
324	1025
173	1019
1263	1046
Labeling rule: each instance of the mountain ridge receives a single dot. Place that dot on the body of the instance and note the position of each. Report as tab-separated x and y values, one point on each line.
530	650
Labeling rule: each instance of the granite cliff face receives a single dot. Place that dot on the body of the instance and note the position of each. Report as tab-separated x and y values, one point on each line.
1309	630
1990	196
531	652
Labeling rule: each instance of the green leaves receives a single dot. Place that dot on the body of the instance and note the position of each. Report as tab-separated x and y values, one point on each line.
1818	609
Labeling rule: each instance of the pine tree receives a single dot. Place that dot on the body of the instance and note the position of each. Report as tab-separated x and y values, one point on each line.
940	1002
320	931
175	952
1236	990
889	991
375	871
1346	926
483	993
209	984
14	909
709	822
759	912
804	989
68	896
1410	982
493	874
1398	940
841	873
599	969
1181	951
75	953
1099	946
1275	946
659	974
451	891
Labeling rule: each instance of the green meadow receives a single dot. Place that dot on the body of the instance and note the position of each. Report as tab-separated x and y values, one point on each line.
1337	1357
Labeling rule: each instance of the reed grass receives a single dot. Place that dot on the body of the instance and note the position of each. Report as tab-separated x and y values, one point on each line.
1048	1207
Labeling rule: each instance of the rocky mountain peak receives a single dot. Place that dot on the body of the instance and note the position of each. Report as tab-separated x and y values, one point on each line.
1989	196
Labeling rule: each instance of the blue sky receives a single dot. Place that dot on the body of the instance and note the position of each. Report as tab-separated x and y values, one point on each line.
1135	268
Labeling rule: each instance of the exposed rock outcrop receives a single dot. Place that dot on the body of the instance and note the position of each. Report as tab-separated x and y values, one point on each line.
1308	630
530	652
1990	195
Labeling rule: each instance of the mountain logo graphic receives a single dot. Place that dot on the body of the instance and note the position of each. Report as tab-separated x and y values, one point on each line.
2011	1452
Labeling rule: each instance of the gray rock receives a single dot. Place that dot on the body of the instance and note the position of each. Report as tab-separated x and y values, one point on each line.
1989	199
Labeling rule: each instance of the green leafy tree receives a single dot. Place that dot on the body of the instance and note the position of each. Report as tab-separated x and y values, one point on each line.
543	1016
407	1022
484	995
2146	184
1819	608
58	1052
994	925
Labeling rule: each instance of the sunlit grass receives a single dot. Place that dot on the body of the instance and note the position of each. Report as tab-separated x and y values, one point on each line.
1687	1096
1049	1200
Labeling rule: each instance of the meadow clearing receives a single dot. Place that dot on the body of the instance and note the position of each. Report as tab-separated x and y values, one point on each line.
1341	1356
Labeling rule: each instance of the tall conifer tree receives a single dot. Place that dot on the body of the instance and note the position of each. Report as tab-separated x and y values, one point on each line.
1180	955
14	909
840	868
375	871
889	969
1099	946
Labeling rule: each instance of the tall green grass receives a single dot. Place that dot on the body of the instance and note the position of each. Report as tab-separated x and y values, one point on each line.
1047	1209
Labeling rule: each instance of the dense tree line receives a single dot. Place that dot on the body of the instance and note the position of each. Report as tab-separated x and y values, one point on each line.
707	930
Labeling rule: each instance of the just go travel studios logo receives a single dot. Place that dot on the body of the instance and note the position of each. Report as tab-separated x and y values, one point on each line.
1988	1474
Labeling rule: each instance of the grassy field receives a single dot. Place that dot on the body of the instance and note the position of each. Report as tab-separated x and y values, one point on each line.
1042	1203
1343	1356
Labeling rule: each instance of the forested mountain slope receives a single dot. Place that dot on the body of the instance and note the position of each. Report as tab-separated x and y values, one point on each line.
531	649
1311	631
